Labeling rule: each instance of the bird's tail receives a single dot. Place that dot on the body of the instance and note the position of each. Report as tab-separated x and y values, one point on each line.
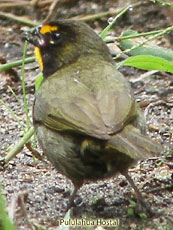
134	144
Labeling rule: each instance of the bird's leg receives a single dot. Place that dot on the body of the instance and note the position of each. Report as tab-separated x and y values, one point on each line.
73	195
141	199
71	202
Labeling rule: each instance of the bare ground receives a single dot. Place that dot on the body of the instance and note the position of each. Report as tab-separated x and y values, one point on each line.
45	191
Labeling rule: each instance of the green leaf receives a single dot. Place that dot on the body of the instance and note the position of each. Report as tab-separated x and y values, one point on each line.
148	62
143	216
38	82
141	46
5	223
130	212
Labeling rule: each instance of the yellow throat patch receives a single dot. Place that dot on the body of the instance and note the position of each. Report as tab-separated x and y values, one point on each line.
39	57
44	29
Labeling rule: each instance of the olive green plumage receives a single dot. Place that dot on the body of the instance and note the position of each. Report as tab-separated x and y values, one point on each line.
85	115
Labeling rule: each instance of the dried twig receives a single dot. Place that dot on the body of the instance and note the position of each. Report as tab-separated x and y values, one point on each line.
143	76
33	151
20	19
52	11
17	205
24	4
105	14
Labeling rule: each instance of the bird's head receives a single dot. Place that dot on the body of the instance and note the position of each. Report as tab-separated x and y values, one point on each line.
63	42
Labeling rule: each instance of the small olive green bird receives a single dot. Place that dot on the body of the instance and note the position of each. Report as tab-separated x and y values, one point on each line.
85	116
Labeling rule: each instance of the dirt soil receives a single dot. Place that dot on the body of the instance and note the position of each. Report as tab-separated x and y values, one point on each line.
36	193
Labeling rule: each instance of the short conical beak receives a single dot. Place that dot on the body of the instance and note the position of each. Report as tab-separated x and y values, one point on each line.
33	36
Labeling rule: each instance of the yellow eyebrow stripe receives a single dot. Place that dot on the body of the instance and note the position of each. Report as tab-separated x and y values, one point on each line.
47	29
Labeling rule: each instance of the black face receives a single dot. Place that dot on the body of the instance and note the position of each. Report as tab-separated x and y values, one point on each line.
56	42
63	42
39	39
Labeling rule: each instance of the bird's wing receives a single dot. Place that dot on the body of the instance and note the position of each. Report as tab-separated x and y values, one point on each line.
77	108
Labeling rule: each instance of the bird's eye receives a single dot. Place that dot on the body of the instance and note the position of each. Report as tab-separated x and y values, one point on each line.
55	38
56	35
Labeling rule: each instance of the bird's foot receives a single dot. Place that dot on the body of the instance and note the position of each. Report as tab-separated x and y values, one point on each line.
148	209
144	204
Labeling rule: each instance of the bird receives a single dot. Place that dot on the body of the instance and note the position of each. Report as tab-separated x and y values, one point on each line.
85	115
